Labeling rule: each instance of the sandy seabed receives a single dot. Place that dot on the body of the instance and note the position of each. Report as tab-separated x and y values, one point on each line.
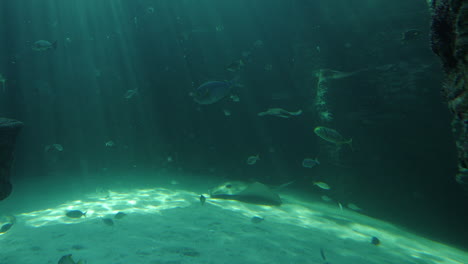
167	224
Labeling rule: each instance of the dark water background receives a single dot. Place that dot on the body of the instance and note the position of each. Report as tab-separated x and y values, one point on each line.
403	164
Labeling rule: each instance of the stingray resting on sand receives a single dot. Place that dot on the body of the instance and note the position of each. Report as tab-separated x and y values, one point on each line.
255	193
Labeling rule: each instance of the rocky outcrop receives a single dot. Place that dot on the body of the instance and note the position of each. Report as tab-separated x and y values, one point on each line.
9	129
450	43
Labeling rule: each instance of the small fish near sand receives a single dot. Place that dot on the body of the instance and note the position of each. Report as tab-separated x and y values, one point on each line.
331	135
8	222
75	214
375	241
202	199
322	185
253	159
43	45
257	219
279	112
108	221
5	228
67	259
310	163
120	215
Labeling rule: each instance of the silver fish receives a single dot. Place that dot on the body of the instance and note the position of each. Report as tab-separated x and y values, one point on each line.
212	92
310	163
279	112
253	159
43	45
331	135
130	93
322	185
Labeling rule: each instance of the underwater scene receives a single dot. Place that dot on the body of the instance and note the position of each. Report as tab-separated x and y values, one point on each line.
234	131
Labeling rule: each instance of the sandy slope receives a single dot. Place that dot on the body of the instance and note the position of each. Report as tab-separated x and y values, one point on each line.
168	225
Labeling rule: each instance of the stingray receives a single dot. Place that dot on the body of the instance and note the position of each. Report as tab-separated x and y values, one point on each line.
255	193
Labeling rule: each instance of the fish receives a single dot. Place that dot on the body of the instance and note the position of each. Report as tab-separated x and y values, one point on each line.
120	215
328	74
234	98
3	80
326	198
150	10
258	44
284	185
212	92
253	159
75	214
174	182
219	28
257	219
310	163
410	34
332	136
108	221
110	144
375	241
43	45
5	227
279	112
67	259
130	93
202	199
58	147
53	148
235	65
246	54
322	185
226	112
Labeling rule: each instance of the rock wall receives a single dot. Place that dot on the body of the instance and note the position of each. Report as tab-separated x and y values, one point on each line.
9	129
450	43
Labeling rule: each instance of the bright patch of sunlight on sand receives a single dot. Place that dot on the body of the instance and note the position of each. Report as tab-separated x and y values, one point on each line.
142	201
